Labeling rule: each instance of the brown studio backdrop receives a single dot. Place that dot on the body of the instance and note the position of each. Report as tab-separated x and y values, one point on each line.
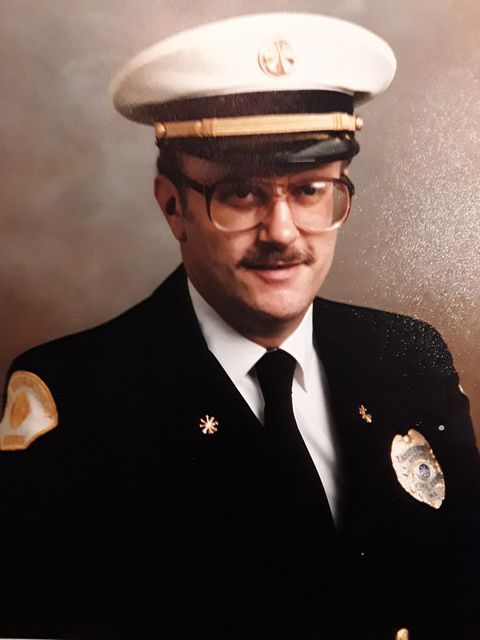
82	238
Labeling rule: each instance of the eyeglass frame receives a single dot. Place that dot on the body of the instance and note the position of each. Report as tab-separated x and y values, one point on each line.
207	190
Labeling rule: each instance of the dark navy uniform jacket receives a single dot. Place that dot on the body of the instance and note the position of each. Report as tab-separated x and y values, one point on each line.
127	521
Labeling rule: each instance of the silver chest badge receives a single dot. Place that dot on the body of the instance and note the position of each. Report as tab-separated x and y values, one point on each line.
417	468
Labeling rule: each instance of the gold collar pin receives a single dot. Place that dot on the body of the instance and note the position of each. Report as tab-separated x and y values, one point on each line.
362	410
208	425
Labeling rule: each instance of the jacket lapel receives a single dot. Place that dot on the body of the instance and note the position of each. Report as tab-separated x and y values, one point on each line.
205	394
363	437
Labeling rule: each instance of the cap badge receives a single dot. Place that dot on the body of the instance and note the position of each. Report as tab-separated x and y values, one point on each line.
417	469
277	58
30	411
208	425
362	410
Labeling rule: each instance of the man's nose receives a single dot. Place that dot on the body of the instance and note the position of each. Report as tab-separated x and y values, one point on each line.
278	226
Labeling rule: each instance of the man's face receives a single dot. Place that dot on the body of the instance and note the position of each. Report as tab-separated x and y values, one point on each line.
261	277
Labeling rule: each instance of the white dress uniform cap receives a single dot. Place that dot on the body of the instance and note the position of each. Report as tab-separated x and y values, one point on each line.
255	53
278	87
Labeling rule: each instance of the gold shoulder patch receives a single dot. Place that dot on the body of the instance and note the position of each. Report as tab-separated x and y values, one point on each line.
30	411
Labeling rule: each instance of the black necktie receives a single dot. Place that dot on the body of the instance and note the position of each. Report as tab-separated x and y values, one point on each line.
296	483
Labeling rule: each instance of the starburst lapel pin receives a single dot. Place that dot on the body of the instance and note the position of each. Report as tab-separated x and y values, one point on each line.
362	410
208	425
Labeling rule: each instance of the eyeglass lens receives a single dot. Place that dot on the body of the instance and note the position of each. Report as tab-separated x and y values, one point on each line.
320	205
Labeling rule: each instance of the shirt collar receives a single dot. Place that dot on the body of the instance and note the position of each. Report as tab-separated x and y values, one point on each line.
238	354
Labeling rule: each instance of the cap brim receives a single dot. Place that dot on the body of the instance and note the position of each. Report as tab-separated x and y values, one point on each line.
265	152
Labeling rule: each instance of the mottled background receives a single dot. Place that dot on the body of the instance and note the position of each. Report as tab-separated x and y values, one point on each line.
82	238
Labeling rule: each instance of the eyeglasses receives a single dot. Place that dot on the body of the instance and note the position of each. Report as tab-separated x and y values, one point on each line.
240	204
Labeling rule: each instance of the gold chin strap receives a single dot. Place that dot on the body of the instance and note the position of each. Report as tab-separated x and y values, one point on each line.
258	125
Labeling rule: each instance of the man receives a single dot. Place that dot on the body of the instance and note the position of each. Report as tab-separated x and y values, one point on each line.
183	494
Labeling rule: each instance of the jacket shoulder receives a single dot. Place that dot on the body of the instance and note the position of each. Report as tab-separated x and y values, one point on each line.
388	335
123	338
371	316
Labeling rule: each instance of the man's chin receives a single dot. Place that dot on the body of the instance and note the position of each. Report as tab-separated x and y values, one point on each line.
280	292
280	308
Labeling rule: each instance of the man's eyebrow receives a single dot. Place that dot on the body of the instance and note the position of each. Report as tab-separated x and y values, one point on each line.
309	174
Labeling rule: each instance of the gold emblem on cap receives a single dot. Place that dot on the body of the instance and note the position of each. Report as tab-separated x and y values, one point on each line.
30	411
277	58
417	469
208	425
362	410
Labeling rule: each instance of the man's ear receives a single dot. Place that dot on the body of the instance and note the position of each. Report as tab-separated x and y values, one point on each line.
345	167
168	198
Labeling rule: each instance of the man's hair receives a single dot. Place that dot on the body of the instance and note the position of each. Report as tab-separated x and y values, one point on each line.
168	160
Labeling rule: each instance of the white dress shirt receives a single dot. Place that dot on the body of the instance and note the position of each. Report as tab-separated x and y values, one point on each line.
238	355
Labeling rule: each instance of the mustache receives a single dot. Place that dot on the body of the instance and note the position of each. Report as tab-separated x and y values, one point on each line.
264	256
